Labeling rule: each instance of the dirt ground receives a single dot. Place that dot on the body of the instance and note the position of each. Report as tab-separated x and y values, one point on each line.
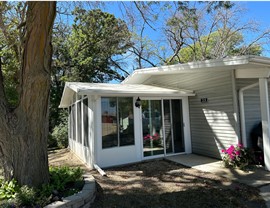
63	157
163	184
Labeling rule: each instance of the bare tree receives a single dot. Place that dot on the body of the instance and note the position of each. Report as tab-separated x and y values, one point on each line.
196	32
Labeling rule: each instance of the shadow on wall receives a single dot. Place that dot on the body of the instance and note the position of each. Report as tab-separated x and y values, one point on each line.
223	132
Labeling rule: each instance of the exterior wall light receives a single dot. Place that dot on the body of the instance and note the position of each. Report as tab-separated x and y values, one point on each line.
138	103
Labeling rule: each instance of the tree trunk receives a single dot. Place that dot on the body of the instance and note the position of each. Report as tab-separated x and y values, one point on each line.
24	131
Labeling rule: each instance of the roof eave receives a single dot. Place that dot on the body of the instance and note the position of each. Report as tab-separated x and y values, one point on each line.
217	64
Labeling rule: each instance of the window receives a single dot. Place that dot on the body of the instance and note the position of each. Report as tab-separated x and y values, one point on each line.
117	122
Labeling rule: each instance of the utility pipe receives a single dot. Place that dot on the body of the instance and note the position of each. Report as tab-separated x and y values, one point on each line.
242	111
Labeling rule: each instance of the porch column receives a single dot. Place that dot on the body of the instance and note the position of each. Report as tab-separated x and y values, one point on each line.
263	83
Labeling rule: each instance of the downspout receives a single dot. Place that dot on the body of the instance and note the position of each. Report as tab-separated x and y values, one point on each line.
235	107
242	111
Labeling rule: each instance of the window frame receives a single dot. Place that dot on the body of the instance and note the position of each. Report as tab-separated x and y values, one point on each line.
118	123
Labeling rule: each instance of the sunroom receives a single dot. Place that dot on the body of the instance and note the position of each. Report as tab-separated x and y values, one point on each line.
115	124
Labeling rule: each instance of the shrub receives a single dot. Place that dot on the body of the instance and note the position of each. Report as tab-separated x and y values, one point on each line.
51	141
26	196
60	135
64	181
8	189
237	157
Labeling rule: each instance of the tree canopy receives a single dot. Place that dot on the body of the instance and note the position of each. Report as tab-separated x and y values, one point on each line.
215	46
96	41
91	52
206	32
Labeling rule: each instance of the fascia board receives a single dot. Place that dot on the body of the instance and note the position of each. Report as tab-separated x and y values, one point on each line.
192	67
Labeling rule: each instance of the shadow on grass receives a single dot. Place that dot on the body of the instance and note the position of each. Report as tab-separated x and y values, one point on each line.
159	184
195	197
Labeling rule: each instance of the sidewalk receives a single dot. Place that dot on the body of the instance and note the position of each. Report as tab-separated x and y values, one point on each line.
258	177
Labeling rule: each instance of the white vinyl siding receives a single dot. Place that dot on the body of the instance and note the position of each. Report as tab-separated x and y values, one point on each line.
212	123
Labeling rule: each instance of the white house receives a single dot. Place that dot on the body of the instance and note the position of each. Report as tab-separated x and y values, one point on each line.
199	107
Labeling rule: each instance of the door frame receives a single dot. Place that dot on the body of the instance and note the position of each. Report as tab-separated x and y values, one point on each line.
186	127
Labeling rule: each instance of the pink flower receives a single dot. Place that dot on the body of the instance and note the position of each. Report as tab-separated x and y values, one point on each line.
147	137
232	157
230	150
240	145
237	153
223	150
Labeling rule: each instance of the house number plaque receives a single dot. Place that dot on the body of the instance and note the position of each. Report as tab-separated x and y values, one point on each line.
204	100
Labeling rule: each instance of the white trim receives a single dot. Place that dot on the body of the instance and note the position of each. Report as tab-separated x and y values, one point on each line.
117	90
264	99
153	157
252	73
98	130
163	127
138	130
92	129
240	62
82	123
172	130
186	127
235	108
76	119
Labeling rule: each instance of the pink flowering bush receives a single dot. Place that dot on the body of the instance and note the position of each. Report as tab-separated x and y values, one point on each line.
155	139
237	157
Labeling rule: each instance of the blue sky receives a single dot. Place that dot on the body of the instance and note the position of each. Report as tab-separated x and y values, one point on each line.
259	10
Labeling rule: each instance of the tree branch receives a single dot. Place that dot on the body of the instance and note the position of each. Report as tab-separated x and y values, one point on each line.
3	101
143	15
141	57
3	27
118	66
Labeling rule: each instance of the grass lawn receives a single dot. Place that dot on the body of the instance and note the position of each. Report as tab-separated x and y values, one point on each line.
161	183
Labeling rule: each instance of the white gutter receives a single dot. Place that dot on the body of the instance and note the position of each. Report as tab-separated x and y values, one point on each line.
235	108
242	112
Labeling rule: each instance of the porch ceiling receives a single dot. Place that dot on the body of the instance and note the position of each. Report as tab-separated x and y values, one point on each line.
105	89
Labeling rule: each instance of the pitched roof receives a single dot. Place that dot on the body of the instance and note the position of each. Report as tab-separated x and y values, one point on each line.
105	89
230	63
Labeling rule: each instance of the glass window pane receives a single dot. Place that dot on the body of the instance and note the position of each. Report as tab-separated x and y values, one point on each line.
178	134
109	122
152	128
125	119
85	122
168	126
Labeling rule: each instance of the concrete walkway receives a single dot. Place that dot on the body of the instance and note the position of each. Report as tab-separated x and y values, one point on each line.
258	177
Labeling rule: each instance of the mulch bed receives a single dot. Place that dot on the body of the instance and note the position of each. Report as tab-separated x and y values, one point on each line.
161	183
